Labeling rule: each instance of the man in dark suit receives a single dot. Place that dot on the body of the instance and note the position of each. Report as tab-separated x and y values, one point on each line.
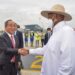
9	50
20	38
47	35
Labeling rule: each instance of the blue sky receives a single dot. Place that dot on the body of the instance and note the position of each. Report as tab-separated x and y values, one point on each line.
28	11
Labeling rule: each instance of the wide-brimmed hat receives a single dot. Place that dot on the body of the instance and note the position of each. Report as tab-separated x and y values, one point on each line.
57	9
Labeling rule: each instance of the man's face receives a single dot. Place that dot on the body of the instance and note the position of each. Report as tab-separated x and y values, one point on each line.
56	18
11	27
53	17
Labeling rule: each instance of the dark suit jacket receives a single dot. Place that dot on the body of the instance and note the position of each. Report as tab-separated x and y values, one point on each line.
6	50
20	38
47	38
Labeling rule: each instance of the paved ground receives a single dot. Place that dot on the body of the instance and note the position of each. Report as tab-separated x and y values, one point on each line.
24	72
27	62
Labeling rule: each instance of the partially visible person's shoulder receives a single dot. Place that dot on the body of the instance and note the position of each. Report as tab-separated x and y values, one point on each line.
19	32
1	36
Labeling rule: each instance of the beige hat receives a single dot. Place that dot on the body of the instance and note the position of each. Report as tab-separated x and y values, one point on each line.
57	9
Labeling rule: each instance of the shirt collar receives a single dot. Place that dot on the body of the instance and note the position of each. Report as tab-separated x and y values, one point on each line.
9	34
59	26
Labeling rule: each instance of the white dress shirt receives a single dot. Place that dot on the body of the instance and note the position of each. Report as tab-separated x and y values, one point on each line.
59	52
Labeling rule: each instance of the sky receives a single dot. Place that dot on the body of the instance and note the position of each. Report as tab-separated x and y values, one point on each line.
25	12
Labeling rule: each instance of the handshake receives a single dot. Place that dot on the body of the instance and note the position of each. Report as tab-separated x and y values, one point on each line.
23	51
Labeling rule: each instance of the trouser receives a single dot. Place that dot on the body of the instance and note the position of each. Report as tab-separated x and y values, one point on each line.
37	43
8	69
42	42
19	69
18	72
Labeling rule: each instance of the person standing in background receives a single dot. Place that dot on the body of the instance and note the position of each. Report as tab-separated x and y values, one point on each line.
37	38
31	38
26	38
20	38
42	38
47	35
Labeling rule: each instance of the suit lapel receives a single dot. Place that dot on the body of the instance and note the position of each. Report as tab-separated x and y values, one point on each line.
8	40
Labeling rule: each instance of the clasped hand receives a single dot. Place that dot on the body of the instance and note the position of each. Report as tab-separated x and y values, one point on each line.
23	51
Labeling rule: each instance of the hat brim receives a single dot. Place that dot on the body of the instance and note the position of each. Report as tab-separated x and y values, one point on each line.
67	17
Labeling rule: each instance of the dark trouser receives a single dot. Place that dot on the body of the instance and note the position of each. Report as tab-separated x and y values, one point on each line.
42	42
8	69
18	72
